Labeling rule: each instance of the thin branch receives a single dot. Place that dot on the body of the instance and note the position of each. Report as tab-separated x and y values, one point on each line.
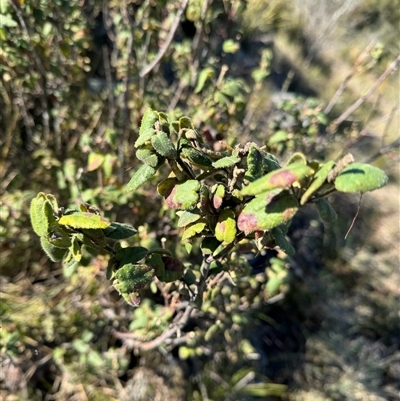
362	99
147	69
351	74
158	341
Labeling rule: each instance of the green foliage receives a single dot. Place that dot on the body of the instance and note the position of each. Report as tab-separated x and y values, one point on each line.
72	103
230	199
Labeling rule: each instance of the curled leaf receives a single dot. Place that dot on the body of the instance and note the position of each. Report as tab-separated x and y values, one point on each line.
54	253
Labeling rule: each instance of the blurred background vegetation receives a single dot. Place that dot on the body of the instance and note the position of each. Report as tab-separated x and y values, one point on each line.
76	77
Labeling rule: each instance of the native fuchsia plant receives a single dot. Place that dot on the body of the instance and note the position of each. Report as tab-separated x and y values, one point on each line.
221	198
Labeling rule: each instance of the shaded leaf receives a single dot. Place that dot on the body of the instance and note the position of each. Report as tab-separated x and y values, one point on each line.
119	231
148	156
282	242
197	157
54	253
325	210
143	174
173	269
132	254
254	164
360	177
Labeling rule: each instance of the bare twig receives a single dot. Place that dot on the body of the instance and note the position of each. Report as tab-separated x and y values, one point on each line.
130	340
351	74
148	68
362	99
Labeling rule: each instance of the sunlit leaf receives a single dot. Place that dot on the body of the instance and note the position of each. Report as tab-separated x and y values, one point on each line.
84	220
225	230
184	195
319	178
281	178
360	177
267	211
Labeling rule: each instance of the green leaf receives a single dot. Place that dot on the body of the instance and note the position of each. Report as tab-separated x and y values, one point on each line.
197	157
227	161
282	242
131	278
193	230
281	178
187	218
155	261
254	164
360	177
75	249
263	389
319	178
7	21
37	214
209	245
163	146
143	174
325	210
149	119
230	46
204	75
225	230
184	195
95	160
119	231
278	137
270	162
84	220
267	210
148	156
132	254
165	187
54	253
297	158
173	269
218	196
145	136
